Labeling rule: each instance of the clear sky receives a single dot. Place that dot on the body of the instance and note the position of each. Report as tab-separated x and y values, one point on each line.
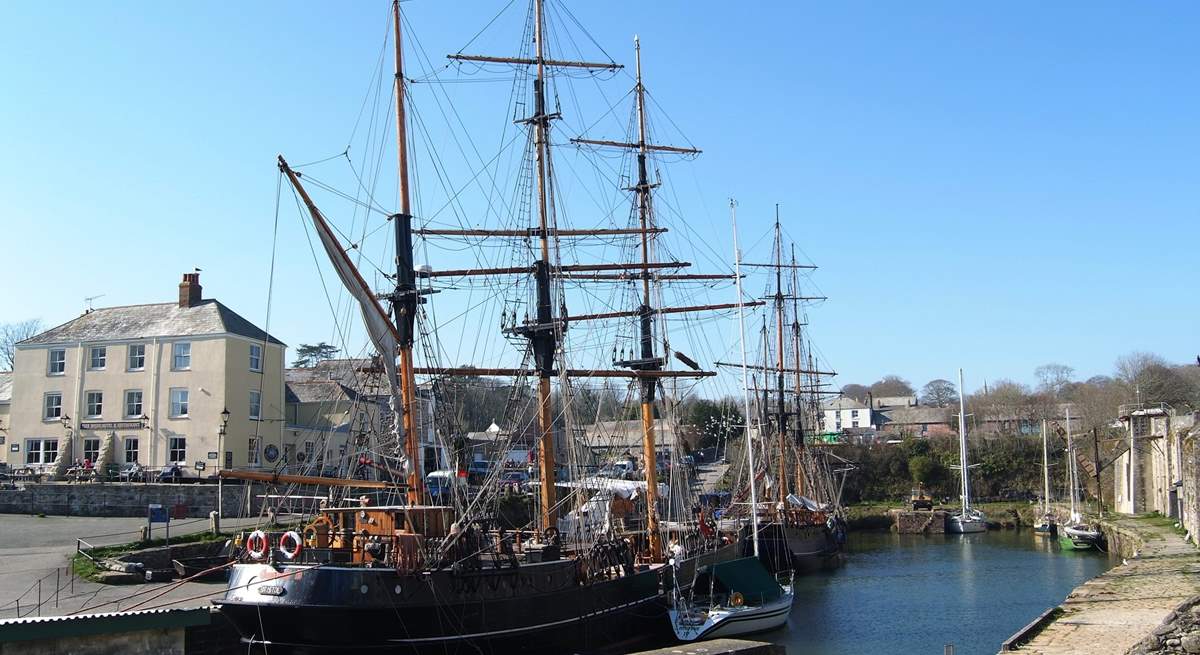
992	187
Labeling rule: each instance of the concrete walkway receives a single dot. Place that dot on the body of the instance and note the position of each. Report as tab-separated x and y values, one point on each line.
34	549
1111	613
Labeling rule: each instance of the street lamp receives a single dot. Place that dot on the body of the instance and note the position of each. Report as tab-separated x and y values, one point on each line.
221	461
65	419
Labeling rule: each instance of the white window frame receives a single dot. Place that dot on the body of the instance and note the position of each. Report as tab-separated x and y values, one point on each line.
62	362
90	441
181	350
252	457
255	409
174	412
87	404
140	407
97	363
41	451
310	451
256	352
46	406
176	445
136	450
129	355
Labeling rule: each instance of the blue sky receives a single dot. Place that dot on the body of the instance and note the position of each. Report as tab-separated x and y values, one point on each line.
992	187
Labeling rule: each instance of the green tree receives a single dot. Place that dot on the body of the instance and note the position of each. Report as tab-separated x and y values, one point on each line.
309	355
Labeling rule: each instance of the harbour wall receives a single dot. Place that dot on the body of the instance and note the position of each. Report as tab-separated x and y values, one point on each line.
129	499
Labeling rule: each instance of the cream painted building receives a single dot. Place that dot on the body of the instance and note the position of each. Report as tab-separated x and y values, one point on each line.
5	406
148	384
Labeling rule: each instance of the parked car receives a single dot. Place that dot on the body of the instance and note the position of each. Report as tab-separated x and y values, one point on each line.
132	472
478	471
441	485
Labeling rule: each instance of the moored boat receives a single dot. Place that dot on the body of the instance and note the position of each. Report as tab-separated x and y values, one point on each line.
733	598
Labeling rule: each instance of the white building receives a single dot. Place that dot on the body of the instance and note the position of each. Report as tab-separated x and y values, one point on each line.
844	413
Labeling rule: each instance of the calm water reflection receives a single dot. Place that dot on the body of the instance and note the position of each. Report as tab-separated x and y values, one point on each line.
914	593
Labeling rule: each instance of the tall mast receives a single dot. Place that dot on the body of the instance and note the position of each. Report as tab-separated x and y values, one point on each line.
404	300
962	444
1071	468
737	264
544	337
1045	471
645	316
796	347
781	409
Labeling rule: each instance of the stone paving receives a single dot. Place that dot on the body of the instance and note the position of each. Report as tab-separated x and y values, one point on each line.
1110	614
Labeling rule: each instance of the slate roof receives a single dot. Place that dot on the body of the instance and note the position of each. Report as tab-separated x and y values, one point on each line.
5	387
318	391
843	403
914	415
157	320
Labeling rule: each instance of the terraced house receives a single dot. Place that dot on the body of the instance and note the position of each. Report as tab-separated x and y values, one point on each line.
153	384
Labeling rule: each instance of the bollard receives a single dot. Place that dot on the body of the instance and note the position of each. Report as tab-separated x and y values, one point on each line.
214	522
948	649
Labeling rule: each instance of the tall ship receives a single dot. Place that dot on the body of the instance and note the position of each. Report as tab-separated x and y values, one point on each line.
801	522
386	561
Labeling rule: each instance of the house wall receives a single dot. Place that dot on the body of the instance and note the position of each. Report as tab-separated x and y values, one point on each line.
840	419
218	378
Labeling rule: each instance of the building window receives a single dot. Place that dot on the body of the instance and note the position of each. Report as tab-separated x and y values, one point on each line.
91	450
310	449
178	450
99	358
255	405
854	413
252	451
131	450
255	357
95	404
133	403
181	356
137	356
58	361
41	451
179	403
53	406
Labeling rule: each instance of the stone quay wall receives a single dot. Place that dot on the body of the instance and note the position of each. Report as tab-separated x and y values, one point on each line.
919	522
127	499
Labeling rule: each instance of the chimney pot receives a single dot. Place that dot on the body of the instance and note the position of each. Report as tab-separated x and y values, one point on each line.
189	290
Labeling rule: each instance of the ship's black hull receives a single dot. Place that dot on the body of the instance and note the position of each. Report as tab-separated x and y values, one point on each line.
536	608
799	548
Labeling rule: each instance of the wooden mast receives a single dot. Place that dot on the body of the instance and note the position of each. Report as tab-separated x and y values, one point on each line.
799	405
404	300
544	338
781	408
646	337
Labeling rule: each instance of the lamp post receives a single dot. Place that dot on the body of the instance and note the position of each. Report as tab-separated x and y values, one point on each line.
221	460
66	423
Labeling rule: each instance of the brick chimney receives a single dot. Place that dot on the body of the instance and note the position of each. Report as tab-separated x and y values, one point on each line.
189	290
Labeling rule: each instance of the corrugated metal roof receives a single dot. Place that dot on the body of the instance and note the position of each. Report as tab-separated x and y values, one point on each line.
156	320
83	625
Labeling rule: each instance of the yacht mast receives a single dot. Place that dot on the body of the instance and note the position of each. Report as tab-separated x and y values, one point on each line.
404	300
962	446
780	403
799	399
1045	471
737	263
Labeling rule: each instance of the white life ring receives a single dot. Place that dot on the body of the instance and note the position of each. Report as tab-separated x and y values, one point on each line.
257	545
293	552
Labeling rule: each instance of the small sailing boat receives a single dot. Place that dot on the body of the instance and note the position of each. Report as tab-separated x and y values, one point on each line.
968	519
1048	523
740	596
1076	535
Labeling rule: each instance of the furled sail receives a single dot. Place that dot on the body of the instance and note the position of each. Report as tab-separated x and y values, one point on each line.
379	328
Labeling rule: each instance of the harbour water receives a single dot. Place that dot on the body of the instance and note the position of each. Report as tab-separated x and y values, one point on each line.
916	593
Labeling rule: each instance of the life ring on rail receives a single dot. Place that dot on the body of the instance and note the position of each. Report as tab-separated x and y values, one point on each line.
292	550
256	544
736	599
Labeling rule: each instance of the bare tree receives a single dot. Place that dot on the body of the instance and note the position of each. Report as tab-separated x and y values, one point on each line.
856	391
1053	378
892	385
939	393
13	333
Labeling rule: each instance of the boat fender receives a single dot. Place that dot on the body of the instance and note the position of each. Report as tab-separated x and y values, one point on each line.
736	599
290	550
256	544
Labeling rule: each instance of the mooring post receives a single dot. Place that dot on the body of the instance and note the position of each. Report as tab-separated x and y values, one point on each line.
948	649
